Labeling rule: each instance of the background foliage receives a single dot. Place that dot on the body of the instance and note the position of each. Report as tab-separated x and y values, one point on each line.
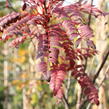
21	87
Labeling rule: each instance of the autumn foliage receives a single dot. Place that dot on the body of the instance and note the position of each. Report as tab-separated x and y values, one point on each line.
64	40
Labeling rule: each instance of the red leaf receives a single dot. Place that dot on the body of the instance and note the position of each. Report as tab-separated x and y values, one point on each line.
85	31
56	81
87	86
17	41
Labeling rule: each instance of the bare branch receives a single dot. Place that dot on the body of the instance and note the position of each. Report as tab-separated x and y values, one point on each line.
101	66
68	85
67	106
79	98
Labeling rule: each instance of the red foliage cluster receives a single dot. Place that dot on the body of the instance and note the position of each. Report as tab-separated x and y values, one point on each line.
17	41
58	28
87	87
56	81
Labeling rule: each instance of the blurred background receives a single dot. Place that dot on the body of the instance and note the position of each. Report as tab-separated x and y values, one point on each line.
22	87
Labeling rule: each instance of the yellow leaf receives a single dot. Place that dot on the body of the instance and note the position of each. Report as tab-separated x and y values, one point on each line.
15	82
19	59
24	75
22	52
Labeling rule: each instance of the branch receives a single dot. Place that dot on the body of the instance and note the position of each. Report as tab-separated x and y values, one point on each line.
9	5
101	66
65	97
68	85
90	14
80	1
67	106
79	96
107	70
89	22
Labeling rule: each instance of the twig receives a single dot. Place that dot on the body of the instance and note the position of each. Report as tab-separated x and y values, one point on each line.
65	97
89	22
12	9
68	85
101	66
9	5
90	14
85	65
79	98
80	1
89	106
67	106
107	70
